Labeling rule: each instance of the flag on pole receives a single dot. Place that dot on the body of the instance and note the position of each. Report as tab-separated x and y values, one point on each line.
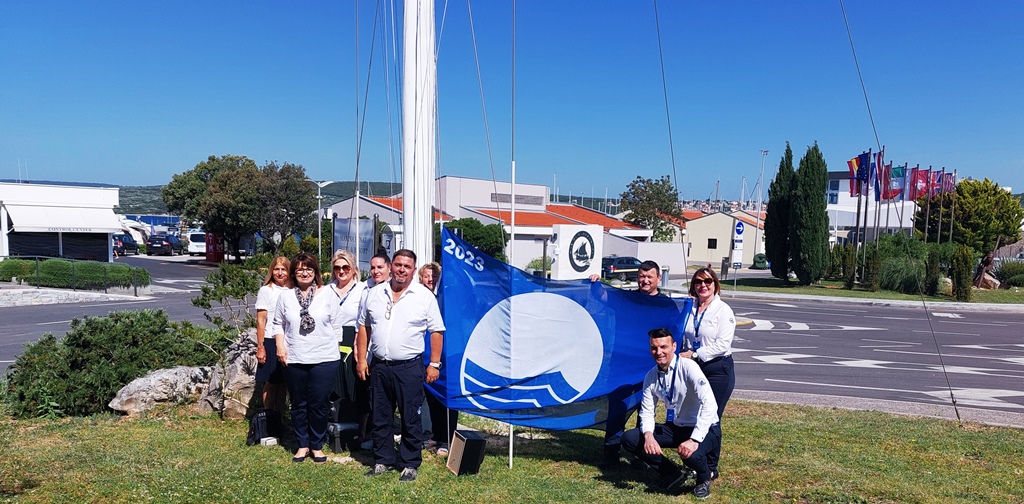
897	182
919	183
949	182
860	171
934	183
542	353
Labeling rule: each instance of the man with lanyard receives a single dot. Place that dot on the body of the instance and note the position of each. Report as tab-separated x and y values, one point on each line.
648	278
691	417
392	324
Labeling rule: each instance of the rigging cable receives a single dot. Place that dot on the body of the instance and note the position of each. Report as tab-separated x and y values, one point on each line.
483	107
664	88
362	119
924	304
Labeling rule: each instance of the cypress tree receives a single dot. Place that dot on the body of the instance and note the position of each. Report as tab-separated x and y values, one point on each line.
776	220
808	237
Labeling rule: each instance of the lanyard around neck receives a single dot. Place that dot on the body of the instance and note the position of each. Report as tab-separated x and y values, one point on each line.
671	389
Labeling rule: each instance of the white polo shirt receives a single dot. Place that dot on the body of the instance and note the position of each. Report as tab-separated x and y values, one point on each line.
397	330
266	299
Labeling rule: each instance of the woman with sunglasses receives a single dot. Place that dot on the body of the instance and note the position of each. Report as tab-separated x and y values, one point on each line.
708	339
309	319
347	285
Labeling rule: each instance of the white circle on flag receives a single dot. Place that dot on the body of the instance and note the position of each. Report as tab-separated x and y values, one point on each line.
534	335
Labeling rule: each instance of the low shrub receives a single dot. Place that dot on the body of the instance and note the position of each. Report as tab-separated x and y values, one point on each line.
1016	280
1008	269
80	374
64	274
873	270
902	274
11	268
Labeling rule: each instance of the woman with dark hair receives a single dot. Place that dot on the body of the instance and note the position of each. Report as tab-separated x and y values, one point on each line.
309	320
708	339
267	369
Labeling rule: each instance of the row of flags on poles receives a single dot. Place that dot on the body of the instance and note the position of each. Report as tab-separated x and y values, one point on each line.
896	183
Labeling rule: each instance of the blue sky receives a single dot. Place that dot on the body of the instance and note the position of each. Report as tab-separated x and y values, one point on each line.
131	93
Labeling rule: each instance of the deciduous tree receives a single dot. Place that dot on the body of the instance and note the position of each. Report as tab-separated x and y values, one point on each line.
983	215
186	191
490	239
651	203
289	203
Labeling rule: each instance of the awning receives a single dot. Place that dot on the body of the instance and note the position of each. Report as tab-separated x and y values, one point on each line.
50	219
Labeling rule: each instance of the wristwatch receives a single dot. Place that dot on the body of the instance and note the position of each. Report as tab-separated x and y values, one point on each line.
435	365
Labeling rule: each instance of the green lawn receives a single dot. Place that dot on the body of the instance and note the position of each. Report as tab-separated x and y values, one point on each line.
772	453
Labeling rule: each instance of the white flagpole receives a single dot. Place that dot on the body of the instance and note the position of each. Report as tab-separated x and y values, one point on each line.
512	233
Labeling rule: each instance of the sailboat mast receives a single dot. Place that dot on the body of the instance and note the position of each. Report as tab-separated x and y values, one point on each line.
419	119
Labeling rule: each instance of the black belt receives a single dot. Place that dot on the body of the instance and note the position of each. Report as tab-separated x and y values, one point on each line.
387	362
712	361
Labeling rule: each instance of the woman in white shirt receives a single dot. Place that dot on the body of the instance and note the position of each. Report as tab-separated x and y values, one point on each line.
709	333
345	282
267	370
308	322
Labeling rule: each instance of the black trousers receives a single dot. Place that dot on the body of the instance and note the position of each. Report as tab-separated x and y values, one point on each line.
398	385
309	387
669	436
722	378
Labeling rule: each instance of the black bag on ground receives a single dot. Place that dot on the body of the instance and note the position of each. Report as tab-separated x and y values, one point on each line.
263	423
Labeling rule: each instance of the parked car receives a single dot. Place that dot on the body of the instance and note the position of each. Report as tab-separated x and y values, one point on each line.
624	267
164	244
124	244
197	243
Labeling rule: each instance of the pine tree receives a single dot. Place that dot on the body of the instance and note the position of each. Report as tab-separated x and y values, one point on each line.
808	237
776	221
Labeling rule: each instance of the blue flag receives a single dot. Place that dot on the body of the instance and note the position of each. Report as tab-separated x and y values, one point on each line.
543	353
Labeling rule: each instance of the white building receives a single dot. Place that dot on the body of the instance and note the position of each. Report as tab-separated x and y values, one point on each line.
54	219
490	203
891	216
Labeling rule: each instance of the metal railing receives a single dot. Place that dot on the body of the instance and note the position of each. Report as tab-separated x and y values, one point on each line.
77	274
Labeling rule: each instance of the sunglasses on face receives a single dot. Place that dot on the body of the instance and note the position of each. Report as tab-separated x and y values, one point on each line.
705	281
346	268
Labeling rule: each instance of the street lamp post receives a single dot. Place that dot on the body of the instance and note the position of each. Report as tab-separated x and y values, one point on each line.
320	215
760	190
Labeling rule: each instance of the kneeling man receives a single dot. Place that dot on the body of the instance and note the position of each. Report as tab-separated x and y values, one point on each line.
691	420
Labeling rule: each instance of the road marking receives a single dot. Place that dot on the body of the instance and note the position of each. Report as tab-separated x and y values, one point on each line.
973	397
791	348
864	363
121	304
798	326
57	322
762	325
783	358
944	332
767	325
946	315
890	341
782	305
974	323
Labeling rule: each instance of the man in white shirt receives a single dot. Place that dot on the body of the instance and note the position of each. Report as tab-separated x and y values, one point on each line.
392	324
691	420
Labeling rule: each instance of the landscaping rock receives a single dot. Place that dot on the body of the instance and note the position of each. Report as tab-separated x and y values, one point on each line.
232	385
179	384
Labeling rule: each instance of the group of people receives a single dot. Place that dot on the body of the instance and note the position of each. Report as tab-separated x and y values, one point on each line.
694	384
398	337
302	325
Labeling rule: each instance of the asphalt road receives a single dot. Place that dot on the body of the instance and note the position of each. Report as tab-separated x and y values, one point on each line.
903	359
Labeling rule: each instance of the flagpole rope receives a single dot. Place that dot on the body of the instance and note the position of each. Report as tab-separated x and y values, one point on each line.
924	303
664	89
860	75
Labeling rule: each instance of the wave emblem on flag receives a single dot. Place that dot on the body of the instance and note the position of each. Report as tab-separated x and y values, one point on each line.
556	360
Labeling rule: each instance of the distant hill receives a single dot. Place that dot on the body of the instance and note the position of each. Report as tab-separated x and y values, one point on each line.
145	200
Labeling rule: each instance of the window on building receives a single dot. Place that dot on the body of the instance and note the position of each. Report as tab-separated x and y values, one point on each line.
833	185
712	243
833	198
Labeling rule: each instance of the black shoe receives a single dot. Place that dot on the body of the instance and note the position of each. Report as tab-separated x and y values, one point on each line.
702	490
379	469
408	474
714	475
298	459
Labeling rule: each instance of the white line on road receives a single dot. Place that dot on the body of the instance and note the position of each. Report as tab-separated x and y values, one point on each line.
57	322
943	332
790	347
889	341
121	303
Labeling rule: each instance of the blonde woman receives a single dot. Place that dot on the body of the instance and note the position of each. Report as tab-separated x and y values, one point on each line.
267	370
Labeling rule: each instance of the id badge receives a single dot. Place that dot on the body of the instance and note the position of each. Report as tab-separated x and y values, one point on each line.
670	415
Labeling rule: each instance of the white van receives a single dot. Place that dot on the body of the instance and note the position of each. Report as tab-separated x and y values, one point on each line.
197	243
